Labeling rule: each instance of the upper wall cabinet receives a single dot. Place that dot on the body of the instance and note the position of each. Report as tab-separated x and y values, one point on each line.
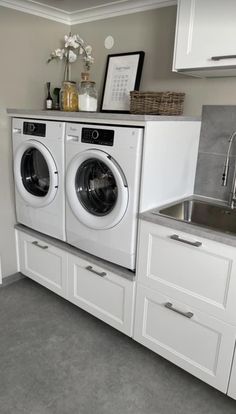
205	38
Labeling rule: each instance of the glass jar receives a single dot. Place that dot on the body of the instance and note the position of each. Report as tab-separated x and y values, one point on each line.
69	97
88	96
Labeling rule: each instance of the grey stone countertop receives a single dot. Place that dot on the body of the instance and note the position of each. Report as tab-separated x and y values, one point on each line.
129	119
110	267
153	216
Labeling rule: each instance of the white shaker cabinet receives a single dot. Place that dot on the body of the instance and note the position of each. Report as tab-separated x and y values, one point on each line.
205	37
102	293
193	340
43	263
198	271
185	302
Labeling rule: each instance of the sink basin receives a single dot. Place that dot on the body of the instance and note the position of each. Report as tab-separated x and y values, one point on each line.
204	214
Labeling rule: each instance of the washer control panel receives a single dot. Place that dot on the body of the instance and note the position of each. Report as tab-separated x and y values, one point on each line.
98	136
34	128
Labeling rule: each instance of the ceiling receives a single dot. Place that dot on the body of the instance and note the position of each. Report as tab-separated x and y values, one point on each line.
72	6
79	11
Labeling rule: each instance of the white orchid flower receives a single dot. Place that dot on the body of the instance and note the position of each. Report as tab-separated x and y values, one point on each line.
89	59
66	38
88	50
71	41
59	53
80	48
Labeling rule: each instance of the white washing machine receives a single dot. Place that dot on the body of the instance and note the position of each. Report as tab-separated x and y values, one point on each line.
103	168
38	157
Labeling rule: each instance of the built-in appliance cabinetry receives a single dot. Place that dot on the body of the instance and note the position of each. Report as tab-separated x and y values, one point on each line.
185	307
205	33
104	294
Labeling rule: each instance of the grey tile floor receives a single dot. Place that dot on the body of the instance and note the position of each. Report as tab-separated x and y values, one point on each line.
57	359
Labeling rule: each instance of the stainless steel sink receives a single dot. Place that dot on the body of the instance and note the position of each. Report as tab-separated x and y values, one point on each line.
204	214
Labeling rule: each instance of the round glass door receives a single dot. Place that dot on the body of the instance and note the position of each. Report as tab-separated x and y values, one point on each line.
96	187
35	173
97	190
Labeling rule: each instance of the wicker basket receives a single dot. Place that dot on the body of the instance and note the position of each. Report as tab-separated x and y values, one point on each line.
156	103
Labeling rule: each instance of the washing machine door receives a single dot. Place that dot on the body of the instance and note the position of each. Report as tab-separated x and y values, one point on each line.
35	172
97	190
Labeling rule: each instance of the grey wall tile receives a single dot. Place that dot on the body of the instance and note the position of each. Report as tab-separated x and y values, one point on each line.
209	176
218	123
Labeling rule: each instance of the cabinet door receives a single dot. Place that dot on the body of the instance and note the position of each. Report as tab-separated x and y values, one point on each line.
194	270
43	263
102	293
205	29
194	341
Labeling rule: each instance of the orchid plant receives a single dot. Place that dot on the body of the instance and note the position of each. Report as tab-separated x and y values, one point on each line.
74	48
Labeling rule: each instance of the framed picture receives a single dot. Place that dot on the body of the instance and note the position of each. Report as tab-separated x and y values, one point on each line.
123	74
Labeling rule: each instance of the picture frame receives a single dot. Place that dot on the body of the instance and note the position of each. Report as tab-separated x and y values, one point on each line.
122	75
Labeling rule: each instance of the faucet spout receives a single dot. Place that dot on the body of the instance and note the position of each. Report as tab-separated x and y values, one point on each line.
225	174
232	198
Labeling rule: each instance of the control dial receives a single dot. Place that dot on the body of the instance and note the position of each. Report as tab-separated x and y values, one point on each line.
95	134
31	127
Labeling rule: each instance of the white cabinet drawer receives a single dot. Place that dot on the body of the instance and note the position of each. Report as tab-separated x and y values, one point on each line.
103	294
200	275
194	341
43	263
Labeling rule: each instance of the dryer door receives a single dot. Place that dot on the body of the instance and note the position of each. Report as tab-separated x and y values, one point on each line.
97	190
35	173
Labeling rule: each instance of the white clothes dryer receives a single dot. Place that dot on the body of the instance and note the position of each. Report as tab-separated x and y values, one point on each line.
38	158
103	168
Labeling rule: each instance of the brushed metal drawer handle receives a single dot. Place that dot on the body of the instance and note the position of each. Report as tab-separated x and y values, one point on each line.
36	243
169	306
90	269
177	238
216	58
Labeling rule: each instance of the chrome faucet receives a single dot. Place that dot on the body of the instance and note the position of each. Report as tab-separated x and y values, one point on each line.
232	195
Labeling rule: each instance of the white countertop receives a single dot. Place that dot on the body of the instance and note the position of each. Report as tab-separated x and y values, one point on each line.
104	117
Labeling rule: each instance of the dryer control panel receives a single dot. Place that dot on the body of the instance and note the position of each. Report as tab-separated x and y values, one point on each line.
98	136
34	128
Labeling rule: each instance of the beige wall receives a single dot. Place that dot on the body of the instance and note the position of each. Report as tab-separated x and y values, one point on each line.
153	32
25	42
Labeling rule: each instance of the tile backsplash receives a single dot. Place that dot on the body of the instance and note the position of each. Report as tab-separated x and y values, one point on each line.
218	123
